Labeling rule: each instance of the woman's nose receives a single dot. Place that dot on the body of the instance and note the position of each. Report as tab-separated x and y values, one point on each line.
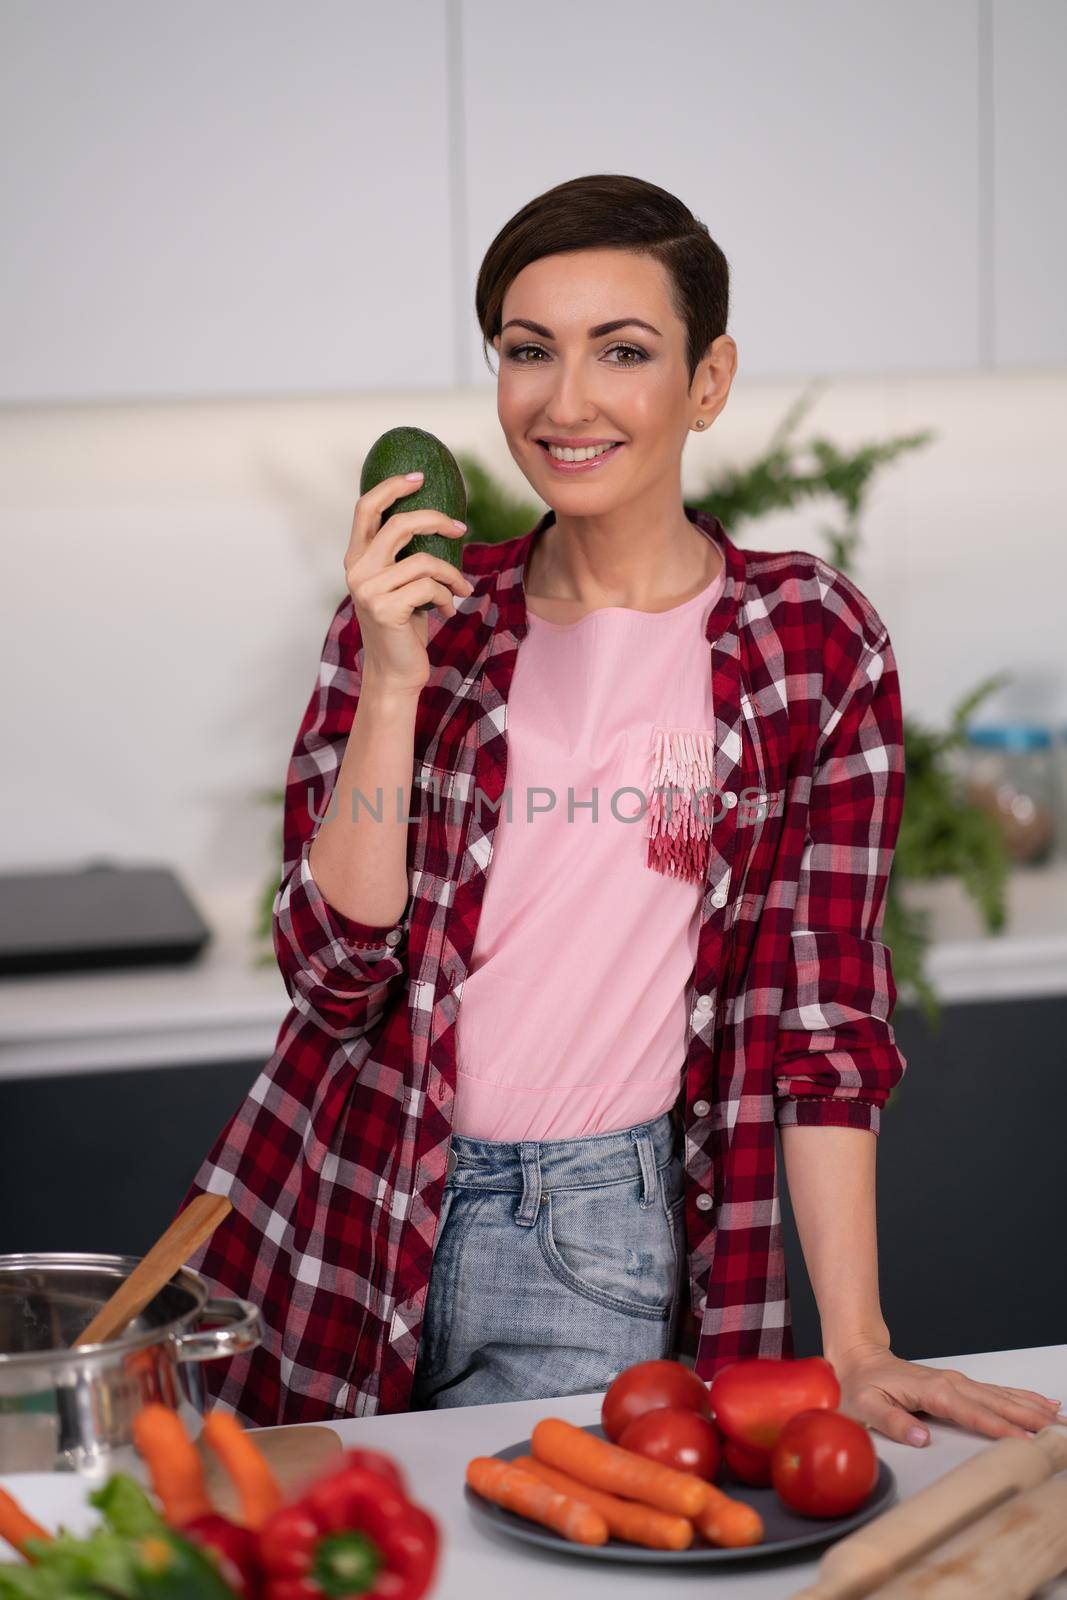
569	402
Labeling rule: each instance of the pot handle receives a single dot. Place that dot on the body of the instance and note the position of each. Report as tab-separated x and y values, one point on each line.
243	1330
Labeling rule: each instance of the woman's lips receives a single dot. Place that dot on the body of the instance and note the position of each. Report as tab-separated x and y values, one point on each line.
580	466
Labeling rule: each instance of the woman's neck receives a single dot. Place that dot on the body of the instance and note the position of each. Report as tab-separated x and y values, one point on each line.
568	570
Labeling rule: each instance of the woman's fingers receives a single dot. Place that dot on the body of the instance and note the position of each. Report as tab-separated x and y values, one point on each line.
886	1392
1042	1401
878	1410
957	1398
382	537
1020	1405
369	510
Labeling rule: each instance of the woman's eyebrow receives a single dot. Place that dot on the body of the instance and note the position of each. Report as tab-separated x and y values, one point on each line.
594	333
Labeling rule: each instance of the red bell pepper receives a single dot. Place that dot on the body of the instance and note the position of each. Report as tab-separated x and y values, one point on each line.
353	1532
234	1549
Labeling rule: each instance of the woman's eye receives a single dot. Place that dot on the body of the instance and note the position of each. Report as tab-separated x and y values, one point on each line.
517	351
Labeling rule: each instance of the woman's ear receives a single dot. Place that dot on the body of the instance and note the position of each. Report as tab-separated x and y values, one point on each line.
717	370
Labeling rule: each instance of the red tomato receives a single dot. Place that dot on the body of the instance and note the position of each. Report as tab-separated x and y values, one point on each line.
824	1464
651	1386
676	1437
748	1466
752	1400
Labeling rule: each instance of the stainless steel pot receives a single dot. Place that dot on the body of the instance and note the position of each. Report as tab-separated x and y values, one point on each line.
72	1410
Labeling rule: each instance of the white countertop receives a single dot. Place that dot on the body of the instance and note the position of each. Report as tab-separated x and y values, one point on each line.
224	1008
433	1447
481	1563
1028	959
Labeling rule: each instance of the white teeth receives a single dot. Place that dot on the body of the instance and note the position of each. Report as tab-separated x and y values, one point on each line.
562	454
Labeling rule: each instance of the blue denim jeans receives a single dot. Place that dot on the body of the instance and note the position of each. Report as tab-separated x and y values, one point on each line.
557	1263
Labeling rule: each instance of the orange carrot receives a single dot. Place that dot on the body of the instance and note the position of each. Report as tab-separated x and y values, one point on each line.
509	1486
174	1463
257	1488
16	1526
626	1519
728	1522
607	1466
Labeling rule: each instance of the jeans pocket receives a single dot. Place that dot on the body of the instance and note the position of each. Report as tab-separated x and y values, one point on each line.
601	1243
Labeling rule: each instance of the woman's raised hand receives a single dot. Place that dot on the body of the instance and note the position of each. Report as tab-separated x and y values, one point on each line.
385	591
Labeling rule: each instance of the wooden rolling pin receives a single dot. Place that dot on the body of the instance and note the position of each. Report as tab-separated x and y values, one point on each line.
884	1547
1007	1555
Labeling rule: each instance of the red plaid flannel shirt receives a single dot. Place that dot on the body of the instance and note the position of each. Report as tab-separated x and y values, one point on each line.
335	1161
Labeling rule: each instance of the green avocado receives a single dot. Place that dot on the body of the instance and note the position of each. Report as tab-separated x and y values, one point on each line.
442	488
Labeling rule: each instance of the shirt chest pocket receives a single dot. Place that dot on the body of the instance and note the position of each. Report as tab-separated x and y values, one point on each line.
440	809
759	801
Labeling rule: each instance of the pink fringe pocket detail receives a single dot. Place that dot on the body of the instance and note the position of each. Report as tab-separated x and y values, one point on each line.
679	818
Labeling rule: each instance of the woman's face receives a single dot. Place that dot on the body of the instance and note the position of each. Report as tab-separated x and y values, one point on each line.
570	378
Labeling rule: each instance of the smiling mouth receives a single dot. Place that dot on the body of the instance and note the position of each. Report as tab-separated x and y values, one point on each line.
601	455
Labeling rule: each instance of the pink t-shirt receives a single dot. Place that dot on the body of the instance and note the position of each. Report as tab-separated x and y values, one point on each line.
572	1018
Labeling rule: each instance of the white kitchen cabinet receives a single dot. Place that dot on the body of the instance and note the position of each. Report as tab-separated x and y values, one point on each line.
1029	222
258	199
832	150
204	200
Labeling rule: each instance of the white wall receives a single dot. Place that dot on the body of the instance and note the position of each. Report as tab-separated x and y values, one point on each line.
243	241
168	572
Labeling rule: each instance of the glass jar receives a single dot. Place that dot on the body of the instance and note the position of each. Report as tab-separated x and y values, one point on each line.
1059	761
1008	771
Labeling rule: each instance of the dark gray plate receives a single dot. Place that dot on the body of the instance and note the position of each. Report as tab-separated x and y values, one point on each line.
784	1529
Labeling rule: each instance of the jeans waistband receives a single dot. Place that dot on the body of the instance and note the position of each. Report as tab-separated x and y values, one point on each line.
530	1166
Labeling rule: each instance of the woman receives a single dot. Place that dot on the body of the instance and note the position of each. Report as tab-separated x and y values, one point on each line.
519	1127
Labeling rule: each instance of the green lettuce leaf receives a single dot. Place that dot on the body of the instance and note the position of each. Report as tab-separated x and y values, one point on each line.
125	1507
71	1567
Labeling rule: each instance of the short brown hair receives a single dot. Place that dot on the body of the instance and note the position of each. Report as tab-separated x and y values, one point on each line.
609	210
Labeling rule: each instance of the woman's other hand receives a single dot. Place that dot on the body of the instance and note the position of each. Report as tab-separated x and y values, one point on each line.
885	1391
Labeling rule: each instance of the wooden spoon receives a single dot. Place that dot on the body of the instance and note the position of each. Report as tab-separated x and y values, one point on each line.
171	1250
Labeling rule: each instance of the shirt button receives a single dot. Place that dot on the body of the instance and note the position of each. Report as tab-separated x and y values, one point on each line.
718	899
701	1108
731	799
393	936
704	1202
705	1003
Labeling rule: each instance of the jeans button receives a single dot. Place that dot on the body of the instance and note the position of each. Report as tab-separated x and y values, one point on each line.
450	1164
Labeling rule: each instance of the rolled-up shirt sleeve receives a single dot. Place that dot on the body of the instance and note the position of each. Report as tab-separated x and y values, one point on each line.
836	1058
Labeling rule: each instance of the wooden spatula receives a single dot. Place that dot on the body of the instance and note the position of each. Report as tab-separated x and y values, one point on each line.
172	1250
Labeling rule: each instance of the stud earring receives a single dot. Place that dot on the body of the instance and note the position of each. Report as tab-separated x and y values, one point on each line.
701	423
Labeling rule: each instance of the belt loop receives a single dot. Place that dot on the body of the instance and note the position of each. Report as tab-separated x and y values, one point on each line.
527	1209
646	1156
